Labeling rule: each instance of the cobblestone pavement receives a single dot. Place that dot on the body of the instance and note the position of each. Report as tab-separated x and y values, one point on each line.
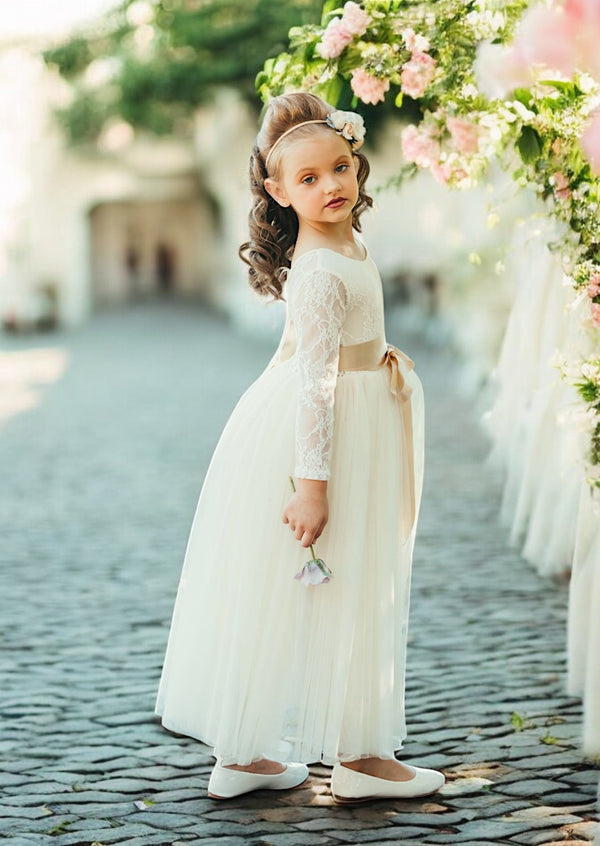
101	478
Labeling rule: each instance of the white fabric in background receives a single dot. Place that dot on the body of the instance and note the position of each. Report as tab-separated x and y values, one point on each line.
536	447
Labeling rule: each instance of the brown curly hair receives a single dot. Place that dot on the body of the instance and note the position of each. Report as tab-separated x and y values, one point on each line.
274	229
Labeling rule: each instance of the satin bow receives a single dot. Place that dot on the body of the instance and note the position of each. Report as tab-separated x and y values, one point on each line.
398	385
401	389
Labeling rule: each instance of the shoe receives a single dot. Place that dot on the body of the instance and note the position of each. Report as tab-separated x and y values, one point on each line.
225	783
351	786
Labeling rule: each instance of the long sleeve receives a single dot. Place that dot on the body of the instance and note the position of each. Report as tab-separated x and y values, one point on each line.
318	307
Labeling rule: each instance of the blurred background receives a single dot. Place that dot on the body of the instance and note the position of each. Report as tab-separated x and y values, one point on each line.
124	138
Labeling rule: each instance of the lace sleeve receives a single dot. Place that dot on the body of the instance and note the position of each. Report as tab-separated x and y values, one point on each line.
317	307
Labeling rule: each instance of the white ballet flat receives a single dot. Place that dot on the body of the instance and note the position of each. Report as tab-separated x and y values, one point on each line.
225	783
351	786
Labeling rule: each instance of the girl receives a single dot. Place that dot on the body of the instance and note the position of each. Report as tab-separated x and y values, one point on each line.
258	665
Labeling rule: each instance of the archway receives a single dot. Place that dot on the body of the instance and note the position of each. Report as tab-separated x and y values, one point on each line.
141	250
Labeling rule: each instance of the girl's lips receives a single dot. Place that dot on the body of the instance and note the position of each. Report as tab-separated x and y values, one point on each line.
335	203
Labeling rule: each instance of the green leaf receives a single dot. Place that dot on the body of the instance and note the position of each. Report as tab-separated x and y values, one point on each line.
519	723
523	95
332	90
398	100
528	145
329	7
560	85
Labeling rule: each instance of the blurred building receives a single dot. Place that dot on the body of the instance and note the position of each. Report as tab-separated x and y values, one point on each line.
128	219
134	217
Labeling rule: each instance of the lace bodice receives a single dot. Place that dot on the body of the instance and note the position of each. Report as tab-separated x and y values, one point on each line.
332	300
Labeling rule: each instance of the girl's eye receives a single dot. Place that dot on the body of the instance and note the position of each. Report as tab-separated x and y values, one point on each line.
341	167
308	180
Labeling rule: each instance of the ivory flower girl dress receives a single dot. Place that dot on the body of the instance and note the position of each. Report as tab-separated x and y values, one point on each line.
257	664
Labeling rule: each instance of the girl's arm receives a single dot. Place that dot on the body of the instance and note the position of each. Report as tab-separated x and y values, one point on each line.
318	307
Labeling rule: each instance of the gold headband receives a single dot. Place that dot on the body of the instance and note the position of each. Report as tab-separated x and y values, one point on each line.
287	132
349	125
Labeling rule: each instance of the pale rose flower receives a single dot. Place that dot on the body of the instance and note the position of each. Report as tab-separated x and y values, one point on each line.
563	37
419	147
595	307
465	134
561	186
441	172
368	88
593	287
355	19
584	18
590	142
417	74
335	39
445	172
545	37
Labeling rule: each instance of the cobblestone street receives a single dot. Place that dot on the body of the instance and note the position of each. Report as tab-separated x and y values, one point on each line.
101	479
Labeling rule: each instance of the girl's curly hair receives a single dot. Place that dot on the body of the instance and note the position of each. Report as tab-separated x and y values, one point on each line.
274	229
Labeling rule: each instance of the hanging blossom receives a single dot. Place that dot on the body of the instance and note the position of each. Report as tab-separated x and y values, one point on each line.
417	74
590	142
419	146
465	134
368	88
593	292
341	31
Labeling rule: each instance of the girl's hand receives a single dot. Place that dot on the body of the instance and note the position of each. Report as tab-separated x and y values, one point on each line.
307	511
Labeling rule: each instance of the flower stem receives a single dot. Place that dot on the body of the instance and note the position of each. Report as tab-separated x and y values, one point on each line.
312	552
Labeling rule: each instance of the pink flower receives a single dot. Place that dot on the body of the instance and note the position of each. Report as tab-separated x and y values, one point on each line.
444	172
335	38
355	19
465	134
417	74
564	38
544	37
593	287
369	88
314	572
561	186
441	172
590	142
595	307
420	147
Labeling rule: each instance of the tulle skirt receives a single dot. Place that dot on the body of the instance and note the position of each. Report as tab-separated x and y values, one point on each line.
258	664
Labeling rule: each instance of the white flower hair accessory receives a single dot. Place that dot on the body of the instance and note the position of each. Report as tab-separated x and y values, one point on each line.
349	125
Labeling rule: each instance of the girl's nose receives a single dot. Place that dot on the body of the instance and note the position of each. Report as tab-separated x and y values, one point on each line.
333	184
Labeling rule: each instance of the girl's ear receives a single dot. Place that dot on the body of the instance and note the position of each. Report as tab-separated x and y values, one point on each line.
276	191
356	161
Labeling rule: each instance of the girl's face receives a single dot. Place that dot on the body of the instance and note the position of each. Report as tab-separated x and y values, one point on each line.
318	179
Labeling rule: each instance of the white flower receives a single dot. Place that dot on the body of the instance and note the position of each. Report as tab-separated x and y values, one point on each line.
469	91
523	112
314	572
350	125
